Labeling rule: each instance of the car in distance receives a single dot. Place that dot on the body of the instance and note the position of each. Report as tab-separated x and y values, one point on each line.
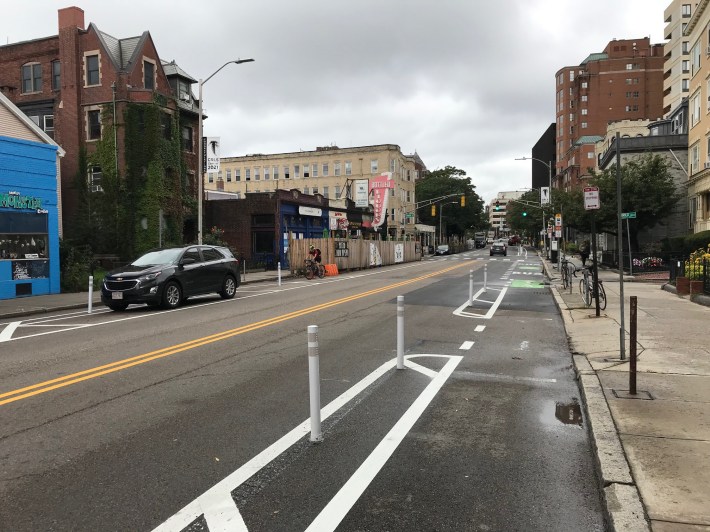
167	277
499	248
443	249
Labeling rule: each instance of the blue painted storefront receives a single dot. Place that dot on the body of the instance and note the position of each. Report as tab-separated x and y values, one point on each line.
300	222
29	219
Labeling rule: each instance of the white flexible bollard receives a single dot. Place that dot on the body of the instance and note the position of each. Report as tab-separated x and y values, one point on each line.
279	268
314	383
485	278
91	292
400	332
470	288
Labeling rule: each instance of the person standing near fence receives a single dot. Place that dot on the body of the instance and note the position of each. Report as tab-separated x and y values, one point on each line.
584	252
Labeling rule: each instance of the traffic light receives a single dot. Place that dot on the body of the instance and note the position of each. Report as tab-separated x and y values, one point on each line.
497	205
433	209
524	214
463	201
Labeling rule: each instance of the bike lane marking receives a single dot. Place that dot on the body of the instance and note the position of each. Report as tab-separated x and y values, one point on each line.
6	333
220	511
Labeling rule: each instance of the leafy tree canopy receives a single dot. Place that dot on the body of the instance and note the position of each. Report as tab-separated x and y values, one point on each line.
444	182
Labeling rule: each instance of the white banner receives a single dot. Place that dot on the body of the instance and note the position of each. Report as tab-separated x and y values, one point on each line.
362	192
375	257
212	154
399	252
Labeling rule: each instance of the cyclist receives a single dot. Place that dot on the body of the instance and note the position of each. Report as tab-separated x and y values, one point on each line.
314	253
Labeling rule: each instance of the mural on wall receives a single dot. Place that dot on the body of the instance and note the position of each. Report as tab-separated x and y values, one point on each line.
375	257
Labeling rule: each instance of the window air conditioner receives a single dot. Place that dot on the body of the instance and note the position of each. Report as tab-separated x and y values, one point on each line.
96	188
707	50
707	165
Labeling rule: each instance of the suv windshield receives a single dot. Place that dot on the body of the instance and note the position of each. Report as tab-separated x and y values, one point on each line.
163	256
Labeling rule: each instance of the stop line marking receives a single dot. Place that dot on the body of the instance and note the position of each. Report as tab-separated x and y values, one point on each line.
218	507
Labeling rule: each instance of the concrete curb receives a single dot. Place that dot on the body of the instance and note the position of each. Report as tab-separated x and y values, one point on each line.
623	504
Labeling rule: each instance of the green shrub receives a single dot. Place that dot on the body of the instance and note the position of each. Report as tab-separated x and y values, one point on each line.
75	265
695	242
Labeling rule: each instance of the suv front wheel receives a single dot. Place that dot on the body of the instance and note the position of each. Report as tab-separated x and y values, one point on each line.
172	295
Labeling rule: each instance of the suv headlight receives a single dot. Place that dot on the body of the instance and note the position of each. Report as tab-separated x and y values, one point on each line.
149	277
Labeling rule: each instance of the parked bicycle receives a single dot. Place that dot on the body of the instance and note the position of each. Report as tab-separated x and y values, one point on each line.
314	268
586	288
569	270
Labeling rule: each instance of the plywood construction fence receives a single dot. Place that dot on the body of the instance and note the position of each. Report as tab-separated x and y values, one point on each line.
350	254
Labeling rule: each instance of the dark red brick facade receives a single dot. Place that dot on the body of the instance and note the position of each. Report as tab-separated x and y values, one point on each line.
624	82
68	102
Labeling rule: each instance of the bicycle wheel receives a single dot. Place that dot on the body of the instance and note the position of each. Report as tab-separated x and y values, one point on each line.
321	271
565	277
602	296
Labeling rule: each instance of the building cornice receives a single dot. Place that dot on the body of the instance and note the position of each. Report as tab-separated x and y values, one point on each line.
695	18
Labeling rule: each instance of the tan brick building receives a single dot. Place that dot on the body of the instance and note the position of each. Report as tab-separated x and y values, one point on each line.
329	171
696	33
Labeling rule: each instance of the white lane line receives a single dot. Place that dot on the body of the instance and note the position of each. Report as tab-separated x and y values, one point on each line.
338	507
6	334
480	328
212	503
70	327
466	346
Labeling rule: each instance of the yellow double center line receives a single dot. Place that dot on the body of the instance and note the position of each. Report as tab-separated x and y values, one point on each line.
67	380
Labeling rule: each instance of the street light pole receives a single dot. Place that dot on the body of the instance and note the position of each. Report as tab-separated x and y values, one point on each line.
201	163
549	176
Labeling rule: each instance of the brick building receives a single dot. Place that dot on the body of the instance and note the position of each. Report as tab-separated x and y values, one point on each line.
623	82
78	86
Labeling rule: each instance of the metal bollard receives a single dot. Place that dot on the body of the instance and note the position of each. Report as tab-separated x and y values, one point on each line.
485	278
314	383
632	345
279	268
400	332
91	292
470	288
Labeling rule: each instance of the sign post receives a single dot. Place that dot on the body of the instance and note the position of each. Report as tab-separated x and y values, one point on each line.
591	203
626	216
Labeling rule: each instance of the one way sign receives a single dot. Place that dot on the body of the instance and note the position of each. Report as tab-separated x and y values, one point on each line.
544	195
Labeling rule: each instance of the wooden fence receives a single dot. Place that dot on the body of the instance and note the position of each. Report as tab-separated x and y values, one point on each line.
355	254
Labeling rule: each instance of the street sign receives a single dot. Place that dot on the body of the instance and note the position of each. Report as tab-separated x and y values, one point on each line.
627	215
591	198
558	220
544	195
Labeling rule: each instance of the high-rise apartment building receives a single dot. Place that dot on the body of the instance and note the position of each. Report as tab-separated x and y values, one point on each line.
625	81
676	76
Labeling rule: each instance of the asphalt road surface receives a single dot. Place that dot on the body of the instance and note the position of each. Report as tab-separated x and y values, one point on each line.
198	418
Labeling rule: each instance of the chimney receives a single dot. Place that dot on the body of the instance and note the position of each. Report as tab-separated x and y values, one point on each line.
71	17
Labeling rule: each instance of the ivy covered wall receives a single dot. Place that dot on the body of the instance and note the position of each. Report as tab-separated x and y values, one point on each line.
125	219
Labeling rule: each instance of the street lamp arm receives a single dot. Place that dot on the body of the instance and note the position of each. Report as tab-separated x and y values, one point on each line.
534	159
235	61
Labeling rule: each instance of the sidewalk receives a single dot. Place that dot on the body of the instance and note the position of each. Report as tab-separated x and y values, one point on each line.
24	306
653	449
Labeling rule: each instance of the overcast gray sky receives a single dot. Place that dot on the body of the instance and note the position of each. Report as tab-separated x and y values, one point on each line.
466	83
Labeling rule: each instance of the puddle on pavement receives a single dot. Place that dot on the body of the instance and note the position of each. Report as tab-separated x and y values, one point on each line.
565	413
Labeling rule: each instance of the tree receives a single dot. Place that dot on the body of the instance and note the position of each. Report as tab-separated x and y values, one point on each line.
647	188
447	181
